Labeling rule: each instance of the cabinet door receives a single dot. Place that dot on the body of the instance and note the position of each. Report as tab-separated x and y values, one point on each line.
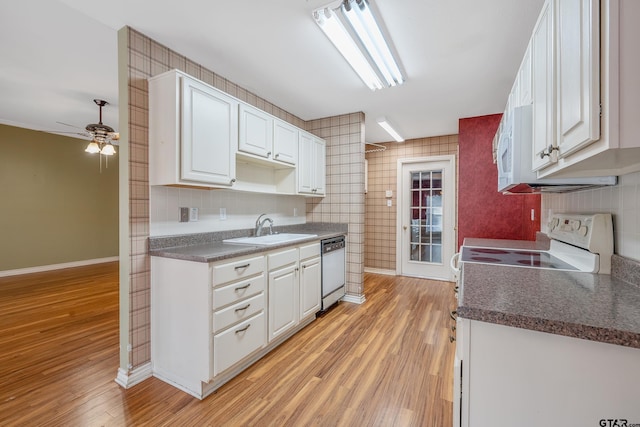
209	134
305	172
524	80
283	300
285	142
578	74
311	166
310	273
319	162
542	57
256	131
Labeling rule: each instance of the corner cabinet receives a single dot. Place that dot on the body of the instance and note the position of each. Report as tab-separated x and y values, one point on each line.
193	132
210	321
311	165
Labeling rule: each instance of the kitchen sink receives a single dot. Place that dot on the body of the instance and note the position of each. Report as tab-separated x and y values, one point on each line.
269	239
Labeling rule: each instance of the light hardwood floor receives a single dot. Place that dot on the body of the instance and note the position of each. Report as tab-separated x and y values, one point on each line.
387	362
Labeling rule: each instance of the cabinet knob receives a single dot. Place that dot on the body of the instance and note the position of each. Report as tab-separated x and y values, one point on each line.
451	338
277	155
269	154
233	180
548	152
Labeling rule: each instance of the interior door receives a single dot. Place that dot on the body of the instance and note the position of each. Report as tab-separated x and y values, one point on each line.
426	217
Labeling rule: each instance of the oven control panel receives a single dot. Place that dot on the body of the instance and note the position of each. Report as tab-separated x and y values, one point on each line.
593	232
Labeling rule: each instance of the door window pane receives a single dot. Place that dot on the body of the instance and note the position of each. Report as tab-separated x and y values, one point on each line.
426	216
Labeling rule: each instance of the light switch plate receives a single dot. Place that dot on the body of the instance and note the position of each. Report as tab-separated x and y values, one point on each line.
388	193
389	202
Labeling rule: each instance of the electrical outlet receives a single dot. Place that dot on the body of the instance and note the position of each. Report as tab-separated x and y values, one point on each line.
223	214
193	214
184	215
389	202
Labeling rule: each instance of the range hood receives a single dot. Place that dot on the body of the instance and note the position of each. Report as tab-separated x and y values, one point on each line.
515	175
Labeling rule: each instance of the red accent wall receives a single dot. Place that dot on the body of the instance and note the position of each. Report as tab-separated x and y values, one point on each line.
483	211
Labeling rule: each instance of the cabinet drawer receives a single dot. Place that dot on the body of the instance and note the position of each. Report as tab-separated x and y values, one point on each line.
310	251
280	259
237	270
237	312
236	291
236	343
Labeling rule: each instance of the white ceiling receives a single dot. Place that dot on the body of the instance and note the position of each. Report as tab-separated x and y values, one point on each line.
460	57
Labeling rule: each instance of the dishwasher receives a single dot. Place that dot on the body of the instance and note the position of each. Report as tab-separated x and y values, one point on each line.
333	271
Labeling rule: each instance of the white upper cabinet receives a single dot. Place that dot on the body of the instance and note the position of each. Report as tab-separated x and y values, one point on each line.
311	165
596	96
285	142
542	66
265	136
525	96
202	137
578	71
256	132
192	132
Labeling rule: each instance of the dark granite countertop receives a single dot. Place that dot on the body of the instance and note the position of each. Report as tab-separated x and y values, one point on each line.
209	247
595	307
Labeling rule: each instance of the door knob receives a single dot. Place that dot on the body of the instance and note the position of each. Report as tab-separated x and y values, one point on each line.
405	227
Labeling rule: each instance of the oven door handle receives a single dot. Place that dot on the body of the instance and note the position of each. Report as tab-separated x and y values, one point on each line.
454	262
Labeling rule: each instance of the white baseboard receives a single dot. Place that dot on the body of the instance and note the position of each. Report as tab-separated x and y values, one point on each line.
52	267
128	379
380	271
355	299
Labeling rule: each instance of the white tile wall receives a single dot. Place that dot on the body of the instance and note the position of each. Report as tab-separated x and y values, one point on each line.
622	201
242	210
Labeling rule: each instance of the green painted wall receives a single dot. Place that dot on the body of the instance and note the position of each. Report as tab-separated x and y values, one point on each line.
55	204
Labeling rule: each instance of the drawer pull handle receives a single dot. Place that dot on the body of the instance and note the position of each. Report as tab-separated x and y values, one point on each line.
451	338
240	267
242	288
453	314
243	329
243	308
453	328
455	290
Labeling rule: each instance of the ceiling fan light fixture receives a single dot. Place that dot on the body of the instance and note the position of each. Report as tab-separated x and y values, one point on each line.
108	150
93	148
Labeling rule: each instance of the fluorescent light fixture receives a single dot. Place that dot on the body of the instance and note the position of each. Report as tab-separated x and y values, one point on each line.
382	121
335	31
364	47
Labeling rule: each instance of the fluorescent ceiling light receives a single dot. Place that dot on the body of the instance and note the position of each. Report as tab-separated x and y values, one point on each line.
364	47
335	31
390	130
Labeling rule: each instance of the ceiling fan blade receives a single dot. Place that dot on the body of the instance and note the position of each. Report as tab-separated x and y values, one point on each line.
67	124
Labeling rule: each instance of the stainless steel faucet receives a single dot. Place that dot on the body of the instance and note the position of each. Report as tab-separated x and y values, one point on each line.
260	225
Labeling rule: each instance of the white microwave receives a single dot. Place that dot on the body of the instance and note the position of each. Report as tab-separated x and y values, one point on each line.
515	155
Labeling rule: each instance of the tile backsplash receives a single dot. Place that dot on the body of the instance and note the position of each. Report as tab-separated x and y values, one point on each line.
242	210
622	201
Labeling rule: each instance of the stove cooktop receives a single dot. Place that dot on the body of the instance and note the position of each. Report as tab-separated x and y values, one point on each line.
514	258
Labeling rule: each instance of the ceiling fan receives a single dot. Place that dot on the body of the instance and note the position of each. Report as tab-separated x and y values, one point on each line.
103	137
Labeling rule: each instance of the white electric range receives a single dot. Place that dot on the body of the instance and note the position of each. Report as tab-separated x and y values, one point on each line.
579	242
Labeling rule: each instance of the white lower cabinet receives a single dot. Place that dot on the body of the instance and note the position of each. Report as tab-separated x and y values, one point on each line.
283	292
310	280
232	345
513	376
211	321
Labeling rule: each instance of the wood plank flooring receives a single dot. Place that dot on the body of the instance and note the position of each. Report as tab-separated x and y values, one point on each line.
387	362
